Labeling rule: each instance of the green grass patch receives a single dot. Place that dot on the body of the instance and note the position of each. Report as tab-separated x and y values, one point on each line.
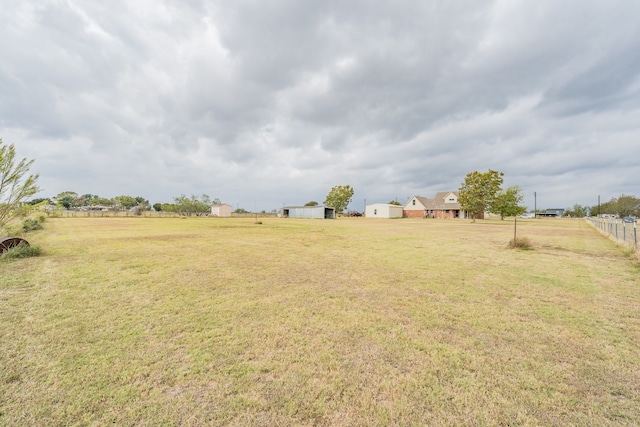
20	251
201	321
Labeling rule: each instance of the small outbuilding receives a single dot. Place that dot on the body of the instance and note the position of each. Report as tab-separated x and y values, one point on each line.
222	210
383	210
551	213
317	212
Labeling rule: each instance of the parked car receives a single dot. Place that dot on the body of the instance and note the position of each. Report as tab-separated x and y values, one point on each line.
629	219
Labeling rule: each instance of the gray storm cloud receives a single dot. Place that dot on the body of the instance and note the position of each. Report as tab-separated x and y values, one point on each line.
263	103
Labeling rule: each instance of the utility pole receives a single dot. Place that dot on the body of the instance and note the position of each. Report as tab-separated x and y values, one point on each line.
535	205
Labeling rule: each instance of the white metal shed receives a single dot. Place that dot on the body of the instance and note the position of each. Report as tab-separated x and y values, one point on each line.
383	210
223	210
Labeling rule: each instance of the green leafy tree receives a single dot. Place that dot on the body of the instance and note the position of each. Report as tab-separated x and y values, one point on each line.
67	199
157	207
627	206
125	202
622	206
339	197
16	186
191	206
507	203
395	202
479	191
102	201
577	211
142	203
311	203
39	201
169	207
87	200
608	208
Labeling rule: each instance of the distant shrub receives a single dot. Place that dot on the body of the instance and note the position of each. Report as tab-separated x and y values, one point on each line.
31	224
521	243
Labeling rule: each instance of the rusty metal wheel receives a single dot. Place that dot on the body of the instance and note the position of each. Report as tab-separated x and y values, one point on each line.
7	243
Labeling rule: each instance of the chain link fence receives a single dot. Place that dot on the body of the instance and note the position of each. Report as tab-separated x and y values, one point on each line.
618	229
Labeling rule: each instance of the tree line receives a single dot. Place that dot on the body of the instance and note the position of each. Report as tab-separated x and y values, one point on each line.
194	205
623	206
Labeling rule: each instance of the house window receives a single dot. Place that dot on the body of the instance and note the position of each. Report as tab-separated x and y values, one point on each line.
413	202
375	211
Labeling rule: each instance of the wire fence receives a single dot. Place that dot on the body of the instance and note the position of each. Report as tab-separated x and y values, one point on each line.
80	213
148	214
620	230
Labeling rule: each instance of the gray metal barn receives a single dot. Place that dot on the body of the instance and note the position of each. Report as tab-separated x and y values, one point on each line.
318	212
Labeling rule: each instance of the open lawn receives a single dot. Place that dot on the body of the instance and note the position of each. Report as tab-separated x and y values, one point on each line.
348	322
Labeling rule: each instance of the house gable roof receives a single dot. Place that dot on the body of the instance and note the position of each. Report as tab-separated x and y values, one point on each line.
422	200
446	200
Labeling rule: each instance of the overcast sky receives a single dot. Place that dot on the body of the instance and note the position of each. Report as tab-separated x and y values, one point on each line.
269	102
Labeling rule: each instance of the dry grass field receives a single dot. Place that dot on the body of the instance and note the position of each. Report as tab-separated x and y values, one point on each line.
347	322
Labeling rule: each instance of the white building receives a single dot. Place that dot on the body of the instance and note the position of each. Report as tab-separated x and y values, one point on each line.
223	210
383	210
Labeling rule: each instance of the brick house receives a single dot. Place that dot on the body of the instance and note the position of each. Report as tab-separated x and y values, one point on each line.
443	205
416	207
